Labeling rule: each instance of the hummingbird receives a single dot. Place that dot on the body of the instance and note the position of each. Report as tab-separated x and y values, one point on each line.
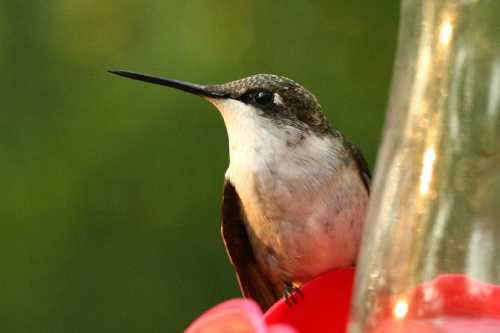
296	190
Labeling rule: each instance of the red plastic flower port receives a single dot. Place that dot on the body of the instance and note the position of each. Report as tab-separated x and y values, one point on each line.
324	308
451	303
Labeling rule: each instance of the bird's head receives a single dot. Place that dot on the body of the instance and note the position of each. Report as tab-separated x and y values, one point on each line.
279	100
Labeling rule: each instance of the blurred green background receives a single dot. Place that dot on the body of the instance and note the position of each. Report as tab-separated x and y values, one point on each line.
111	188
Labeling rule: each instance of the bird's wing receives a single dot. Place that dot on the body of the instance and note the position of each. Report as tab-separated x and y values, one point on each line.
364	170
252	281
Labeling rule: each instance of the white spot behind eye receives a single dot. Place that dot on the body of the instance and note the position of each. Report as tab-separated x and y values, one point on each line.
277	99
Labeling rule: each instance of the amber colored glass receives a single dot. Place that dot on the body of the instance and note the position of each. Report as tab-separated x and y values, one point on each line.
435	205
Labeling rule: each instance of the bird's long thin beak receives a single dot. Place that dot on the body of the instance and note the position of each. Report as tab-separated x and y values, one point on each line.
193	88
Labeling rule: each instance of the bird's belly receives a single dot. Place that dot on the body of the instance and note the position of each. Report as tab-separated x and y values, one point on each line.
297	253
297	235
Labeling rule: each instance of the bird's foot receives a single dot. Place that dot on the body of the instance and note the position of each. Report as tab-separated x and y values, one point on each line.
289	292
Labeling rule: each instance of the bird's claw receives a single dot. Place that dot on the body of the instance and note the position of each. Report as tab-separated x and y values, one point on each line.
289	292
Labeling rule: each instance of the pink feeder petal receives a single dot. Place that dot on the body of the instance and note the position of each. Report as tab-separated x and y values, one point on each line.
281	328
234	316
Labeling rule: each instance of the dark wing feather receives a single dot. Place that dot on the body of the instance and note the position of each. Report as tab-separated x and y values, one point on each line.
364	171
252	282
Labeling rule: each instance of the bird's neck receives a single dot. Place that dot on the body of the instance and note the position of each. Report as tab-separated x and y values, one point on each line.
260	150
264	150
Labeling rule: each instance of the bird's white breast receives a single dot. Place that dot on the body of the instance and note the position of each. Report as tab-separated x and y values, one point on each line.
304	206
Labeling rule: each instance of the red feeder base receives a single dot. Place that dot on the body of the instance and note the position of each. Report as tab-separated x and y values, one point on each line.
324	308
457	304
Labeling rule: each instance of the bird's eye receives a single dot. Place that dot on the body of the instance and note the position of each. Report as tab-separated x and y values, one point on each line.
264	97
